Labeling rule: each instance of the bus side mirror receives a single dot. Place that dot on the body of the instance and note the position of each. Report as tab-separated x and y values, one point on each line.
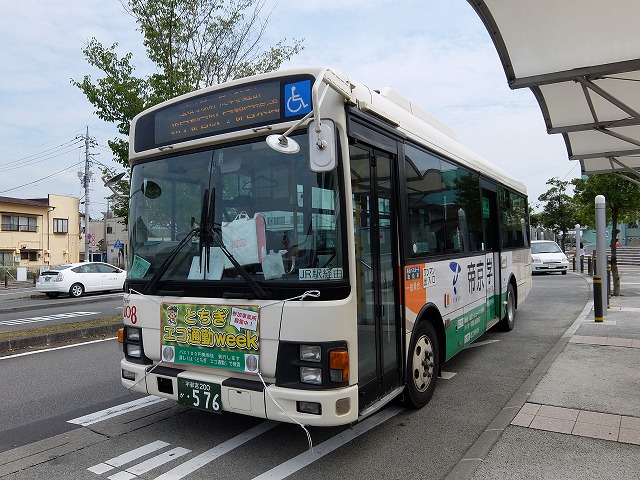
322	147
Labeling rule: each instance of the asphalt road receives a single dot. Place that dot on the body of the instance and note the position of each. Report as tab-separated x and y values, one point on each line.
30	311
51	388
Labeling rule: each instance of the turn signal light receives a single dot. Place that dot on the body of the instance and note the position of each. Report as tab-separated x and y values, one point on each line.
121	335
339	365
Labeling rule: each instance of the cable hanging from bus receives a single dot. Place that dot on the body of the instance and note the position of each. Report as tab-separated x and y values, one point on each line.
306	249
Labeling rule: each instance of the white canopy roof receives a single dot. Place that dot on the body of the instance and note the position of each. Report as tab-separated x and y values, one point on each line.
581	60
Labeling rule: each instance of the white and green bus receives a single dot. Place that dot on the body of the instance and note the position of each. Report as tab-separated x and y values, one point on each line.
306	249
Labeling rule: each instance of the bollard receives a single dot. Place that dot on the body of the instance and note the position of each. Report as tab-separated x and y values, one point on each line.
609	278
574	263
590	266
6	282
597	299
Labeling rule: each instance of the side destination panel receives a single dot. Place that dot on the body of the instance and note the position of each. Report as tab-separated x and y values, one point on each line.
463	290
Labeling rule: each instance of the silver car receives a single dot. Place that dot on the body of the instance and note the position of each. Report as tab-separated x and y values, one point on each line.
548	257
79	278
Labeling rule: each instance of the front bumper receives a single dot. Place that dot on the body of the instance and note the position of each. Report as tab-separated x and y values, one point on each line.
549	267
250	397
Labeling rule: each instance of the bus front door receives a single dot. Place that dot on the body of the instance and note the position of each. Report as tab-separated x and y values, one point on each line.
379	364
492	250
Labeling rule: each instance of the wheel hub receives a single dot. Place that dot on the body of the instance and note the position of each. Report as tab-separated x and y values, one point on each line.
422	363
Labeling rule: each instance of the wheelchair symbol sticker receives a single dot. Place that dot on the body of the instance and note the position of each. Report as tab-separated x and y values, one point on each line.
297	98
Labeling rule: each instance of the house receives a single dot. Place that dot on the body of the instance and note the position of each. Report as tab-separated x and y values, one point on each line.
39	231
109	242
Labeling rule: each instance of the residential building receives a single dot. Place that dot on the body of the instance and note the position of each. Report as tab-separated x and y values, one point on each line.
110	240
39	231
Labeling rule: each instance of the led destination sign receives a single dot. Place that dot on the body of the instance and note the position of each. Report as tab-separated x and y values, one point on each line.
214	113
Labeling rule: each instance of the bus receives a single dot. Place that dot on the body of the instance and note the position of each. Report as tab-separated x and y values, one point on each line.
306	249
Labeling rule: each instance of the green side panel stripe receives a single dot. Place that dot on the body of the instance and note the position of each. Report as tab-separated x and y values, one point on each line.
464	329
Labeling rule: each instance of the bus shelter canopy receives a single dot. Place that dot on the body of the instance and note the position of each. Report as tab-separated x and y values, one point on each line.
581	60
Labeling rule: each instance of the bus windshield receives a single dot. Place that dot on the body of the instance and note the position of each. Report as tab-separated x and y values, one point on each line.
221	213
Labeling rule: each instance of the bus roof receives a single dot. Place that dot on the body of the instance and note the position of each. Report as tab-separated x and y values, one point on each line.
385	104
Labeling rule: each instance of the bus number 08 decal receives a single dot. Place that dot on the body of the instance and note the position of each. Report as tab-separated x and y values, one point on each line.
131	313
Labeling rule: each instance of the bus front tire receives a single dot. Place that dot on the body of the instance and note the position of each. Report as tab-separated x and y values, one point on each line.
423	365
509	318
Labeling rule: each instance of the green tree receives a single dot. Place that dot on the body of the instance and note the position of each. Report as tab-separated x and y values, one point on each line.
535	218
622	204
558	213
193	43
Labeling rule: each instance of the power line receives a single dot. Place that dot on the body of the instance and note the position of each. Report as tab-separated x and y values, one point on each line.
42	179
38	146
29	159
31	163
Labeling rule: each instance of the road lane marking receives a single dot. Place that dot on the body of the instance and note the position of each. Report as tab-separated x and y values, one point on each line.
127	457
157	461
210	455
116	410
46	318
481	343
279	472
308	457
63	347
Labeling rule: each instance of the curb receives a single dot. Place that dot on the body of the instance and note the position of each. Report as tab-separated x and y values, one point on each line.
58	337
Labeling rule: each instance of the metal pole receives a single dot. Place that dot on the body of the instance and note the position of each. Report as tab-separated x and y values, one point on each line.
579	252
85	182
608	285
601	246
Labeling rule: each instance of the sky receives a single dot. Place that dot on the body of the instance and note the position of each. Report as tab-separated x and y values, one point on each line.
436	53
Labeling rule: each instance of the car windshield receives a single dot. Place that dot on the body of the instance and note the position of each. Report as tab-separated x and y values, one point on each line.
191	212
545	247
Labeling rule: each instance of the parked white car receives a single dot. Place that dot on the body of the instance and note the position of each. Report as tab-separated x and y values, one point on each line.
548	257
79	278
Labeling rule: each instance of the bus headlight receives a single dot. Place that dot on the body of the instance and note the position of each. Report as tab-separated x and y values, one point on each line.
310	353
133	350
311	375
132	345
133	334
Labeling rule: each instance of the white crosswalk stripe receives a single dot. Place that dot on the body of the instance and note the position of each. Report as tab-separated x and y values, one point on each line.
127	457
128	470
46	318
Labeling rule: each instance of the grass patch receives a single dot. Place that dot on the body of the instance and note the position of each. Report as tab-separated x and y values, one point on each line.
63	327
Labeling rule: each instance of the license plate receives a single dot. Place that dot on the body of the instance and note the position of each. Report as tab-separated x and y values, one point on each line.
47	279
201	395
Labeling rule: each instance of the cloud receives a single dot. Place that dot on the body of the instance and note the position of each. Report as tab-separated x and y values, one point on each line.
436	53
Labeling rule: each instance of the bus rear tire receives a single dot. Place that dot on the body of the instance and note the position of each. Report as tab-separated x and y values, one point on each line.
423	365
509	319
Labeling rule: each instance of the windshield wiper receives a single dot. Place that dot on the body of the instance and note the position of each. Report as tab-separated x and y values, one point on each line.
152	285
207	233
257	289
212	234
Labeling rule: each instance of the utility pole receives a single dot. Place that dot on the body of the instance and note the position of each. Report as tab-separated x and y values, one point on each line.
85	179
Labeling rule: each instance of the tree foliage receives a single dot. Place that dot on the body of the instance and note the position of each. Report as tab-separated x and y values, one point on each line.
558	213
193	44
622	200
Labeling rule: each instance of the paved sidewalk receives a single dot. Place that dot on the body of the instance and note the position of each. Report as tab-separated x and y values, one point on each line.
582	420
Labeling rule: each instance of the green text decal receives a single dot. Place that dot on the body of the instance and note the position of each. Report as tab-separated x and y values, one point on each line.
220	336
